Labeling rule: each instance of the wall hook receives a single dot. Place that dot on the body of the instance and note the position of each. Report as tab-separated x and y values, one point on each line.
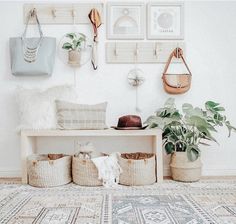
156	50
73	13
54	15
136	51
178	52
115	50
32	12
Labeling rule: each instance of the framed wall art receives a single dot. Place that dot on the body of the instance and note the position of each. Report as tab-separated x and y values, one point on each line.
126	20
165	20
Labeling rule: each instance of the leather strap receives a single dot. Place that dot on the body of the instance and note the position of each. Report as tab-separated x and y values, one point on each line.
177	53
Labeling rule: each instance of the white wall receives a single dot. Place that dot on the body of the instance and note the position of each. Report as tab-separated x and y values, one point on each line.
211	45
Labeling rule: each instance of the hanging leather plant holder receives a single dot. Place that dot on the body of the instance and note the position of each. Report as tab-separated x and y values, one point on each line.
176	83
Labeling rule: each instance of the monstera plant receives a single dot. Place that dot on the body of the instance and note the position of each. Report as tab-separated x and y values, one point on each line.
187	130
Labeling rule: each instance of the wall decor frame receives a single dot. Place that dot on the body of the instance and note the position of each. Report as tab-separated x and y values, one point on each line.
165	20
126	20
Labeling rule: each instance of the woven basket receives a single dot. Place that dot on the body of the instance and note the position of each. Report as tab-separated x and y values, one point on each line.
184	170
138	169
84	172
44	172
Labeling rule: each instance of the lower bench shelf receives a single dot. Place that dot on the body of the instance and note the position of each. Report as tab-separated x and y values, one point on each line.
29	146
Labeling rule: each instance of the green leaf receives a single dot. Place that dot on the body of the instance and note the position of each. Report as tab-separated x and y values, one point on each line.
71	35
197	121
180	146
203	143
78	44
170	103
67	46
187	107
230	127
152	126
169	147
193	153
81	39
206	134
211	104
219	109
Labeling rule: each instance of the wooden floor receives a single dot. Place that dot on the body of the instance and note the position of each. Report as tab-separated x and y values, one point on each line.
17	180
10	180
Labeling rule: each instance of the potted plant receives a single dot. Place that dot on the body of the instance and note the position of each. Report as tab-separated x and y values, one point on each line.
74	47
183	133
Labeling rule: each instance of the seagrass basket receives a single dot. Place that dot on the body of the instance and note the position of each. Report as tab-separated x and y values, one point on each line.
49	170
84	172
138	169
184	170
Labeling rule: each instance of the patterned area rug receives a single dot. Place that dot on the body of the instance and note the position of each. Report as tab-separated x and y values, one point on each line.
204	202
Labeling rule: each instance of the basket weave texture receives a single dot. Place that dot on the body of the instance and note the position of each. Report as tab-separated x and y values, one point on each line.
138	169
84	172
184	170
44	172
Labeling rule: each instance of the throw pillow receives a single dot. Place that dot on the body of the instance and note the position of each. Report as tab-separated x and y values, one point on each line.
81	116
37	108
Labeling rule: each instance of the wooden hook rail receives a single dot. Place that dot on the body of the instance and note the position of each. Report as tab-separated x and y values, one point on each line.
63	13
141	52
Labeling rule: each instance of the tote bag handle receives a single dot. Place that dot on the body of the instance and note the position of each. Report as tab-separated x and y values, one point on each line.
30	52
32	14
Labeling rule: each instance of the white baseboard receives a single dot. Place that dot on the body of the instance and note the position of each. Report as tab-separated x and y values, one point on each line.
209	172
5	173
219	172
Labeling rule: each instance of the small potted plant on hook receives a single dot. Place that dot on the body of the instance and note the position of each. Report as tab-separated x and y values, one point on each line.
74	46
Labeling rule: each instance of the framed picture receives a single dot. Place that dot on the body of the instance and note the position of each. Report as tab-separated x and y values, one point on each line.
166	20
125	20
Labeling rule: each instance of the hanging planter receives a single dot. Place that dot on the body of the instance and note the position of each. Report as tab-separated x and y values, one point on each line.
74	57
75	49
73	46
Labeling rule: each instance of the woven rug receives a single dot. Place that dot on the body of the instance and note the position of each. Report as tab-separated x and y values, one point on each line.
211	201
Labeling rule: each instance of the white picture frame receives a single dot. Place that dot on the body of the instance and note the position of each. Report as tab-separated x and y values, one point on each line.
126	20
165	20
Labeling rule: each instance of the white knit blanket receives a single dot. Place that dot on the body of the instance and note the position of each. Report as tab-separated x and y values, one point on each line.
108	169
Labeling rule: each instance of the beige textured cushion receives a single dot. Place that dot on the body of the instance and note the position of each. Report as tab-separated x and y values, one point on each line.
81	116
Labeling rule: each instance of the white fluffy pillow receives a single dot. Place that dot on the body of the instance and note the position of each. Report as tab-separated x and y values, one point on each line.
37	108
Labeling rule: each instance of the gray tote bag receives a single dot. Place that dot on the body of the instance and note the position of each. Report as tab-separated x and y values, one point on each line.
32	56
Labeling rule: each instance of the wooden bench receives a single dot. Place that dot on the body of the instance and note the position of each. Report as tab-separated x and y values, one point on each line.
29	146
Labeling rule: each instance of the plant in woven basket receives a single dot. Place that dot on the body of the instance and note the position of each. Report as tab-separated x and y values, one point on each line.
185	131
73	46
74	43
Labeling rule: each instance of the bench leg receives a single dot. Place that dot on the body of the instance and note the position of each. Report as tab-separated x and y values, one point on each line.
28	147
157	148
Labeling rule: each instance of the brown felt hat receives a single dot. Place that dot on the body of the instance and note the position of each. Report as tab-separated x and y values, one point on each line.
129	122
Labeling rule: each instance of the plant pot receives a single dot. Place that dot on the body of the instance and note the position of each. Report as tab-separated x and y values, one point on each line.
184	170
74	58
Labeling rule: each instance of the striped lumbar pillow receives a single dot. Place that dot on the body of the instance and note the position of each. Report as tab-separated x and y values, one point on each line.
81	116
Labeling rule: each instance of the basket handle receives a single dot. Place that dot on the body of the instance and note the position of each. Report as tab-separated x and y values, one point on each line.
34	162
